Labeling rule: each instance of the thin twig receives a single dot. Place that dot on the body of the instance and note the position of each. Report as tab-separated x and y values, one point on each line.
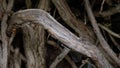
84	62
111	11
101	8
73	65
4	4
114	42
109	31
12	37
60	57
103	43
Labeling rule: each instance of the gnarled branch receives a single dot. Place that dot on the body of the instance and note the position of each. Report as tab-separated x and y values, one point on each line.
61	33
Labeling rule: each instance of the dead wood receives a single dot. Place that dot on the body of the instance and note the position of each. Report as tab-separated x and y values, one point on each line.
70	19
69	60
60	57
111	11
34	45
4	47
104	45
61	33
28	3
21	46
33	48
67	16
45	5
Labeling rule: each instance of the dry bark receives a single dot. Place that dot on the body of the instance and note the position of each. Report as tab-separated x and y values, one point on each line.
4	46
104	45
81	29
72	21
34	45
61	33
33	48
33	51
